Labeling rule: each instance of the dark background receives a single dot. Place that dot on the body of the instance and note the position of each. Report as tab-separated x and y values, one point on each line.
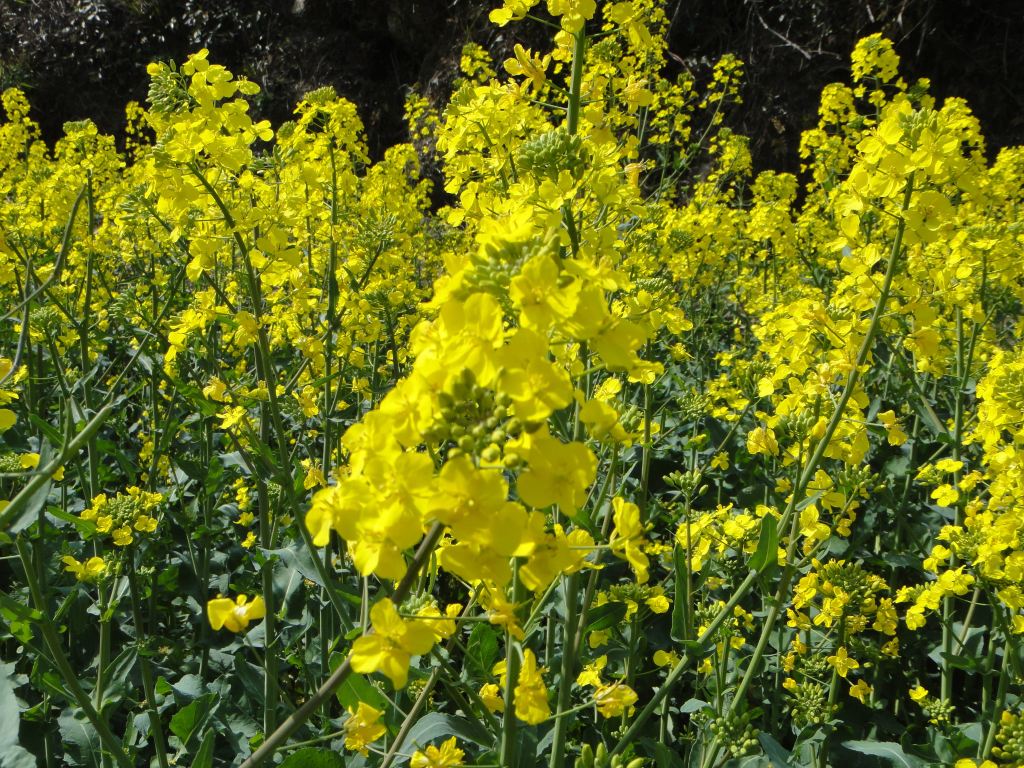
87	58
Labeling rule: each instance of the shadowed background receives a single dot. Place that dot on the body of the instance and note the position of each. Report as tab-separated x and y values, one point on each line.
87	58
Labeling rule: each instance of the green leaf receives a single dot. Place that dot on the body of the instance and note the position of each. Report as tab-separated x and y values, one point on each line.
438	726
778	754
11	754
767	554
37	500
356	688
663	756
695	648
79	739
482	650
310	757
204	755
605	616
188	720
887	750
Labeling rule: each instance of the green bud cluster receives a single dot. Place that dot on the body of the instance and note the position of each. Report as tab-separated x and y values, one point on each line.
748	377
10	462
123	509
1010	740
810	704
815	665
735	733
550	153
497	262
858	583
599	758
631	591
940	713
477	421
376	233
275	494
46	319
855	479
964	543
679	240
684	482
168	92
793	428
693	405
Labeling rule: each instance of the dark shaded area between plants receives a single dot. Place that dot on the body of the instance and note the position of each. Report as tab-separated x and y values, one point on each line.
86	58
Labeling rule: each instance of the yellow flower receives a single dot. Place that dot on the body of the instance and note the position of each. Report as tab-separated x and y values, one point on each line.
490	695
761	440
235	615
448	756
591	674
392	644
720	460
666	658
842	663
918	693
362	728
145	523
628	537
526	65
658	603
615	699
946	495
531	695
860	690
90	570
123	536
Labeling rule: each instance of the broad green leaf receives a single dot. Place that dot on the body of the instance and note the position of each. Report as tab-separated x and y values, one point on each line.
766	555
204	755
356	688
605	616
482	650
436	726
189	720
778	754
11	754
887	750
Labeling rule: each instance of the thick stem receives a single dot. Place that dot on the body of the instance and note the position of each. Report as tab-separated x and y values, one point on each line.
570	585
146	668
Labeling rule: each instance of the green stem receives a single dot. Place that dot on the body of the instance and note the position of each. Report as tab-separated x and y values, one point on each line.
53	643
509	741
146	667
316	700
570	586
632	733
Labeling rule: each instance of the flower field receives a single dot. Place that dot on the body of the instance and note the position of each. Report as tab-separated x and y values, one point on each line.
627	455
